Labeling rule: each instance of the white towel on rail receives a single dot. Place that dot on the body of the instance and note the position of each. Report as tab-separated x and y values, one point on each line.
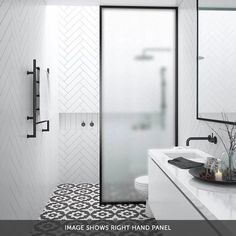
44	95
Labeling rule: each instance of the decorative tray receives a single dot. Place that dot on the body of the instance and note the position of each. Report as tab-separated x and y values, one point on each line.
204	174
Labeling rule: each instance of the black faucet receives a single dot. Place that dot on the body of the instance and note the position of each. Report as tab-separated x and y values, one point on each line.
210	138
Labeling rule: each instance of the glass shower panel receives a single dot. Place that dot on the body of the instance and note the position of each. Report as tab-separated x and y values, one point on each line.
137	95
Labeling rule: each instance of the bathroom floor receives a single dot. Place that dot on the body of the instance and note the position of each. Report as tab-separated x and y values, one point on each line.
81	202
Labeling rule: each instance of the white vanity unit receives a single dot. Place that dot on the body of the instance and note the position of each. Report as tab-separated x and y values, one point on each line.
175	195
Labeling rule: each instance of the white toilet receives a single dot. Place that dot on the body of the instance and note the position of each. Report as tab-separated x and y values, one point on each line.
141	186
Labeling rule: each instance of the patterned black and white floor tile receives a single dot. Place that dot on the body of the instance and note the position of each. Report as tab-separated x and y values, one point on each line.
81	202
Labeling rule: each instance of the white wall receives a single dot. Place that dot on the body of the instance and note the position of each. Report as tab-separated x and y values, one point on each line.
78	58
74	36
79	148
114	2
188	124
28	167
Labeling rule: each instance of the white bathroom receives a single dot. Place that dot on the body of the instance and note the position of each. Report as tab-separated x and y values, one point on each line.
116	110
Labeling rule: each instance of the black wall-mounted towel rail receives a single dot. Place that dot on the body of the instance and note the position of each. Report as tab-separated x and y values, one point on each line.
36	80
48	125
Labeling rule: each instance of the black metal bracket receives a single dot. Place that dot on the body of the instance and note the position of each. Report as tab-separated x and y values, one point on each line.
34	100
48	125
36	80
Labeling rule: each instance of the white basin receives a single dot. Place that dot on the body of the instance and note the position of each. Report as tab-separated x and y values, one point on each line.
172	189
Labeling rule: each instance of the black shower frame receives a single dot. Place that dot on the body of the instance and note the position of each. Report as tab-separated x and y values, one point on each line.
197	62
100	81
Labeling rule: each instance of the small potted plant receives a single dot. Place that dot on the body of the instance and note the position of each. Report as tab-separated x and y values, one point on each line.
228	158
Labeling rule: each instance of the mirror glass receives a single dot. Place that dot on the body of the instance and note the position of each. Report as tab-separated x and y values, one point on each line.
216	60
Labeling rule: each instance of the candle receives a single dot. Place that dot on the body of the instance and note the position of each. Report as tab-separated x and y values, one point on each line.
218	176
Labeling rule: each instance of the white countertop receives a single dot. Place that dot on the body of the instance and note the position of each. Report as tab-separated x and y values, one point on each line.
215	201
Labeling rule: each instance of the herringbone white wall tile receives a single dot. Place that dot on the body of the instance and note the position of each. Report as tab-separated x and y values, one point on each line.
78	67
78	59
24	171
79	148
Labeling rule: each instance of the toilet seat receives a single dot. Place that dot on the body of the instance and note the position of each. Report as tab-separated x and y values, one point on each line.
142	180
141	184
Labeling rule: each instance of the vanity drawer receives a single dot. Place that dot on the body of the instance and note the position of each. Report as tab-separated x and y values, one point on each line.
167	202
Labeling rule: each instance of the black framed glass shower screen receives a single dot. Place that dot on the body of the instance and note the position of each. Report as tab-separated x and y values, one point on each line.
138	94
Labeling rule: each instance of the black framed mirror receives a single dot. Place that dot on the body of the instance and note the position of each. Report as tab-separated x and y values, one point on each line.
216	60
